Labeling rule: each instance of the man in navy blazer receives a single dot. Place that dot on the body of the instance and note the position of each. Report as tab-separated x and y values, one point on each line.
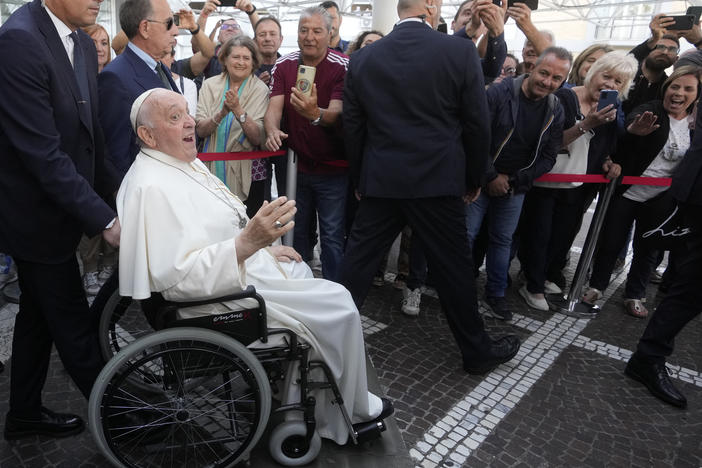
152	34
51	157
417	136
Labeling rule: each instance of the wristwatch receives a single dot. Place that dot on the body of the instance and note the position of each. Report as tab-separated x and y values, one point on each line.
253	10
242	118
318	120
194	33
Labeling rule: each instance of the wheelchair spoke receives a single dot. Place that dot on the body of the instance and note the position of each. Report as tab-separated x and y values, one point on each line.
182	403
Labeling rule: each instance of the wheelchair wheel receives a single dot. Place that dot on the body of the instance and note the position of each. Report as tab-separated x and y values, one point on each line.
121	323
207	403
287	444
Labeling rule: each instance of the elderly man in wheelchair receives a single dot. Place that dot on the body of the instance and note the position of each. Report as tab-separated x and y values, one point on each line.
198	392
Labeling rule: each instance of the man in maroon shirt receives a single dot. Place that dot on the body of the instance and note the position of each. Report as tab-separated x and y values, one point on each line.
310	130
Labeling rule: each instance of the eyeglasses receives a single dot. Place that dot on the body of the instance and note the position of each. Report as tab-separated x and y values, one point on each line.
226	26
511	71
667	49
169	22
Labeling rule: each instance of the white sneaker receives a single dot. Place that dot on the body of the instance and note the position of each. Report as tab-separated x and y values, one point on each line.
105	274
91	283
538	303
552	288
410	303
592	295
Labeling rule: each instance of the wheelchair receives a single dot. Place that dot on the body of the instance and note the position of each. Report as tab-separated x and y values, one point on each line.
188	392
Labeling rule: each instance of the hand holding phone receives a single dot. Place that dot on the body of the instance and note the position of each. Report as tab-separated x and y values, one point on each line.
305	78
607	97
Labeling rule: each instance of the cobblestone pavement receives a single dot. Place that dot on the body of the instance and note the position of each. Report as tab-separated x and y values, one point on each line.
563	401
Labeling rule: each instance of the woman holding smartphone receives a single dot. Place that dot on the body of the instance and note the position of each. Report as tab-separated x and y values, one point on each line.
657	137
229	117
553	211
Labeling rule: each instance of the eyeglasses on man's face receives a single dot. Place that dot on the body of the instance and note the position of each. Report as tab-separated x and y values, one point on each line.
667	49
509	71
232	26
168	23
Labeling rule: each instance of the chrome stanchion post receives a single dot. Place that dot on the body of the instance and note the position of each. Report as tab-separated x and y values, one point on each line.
291	187
571	305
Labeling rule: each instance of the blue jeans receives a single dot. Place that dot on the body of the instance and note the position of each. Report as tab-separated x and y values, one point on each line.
323	196
504	216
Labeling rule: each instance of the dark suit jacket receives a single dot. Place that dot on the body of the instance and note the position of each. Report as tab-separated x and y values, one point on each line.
415	115
687	179
119	84
51	152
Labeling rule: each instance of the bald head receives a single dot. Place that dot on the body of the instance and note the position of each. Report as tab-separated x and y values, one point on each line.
430	9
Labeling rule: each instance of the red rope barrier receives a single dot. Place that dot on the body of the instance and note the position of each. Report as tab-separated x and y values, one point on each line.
600	179
585	178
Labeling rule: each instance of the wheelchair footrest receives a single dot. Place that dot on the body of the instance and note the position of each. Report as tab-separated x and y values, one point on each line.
370	430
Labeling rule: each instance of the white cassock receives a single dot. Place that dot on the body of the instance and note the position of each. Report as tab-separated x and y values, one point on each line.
178	228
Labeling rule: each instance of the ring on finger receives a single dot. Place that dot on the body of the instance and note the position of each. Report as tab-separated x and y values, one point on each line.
278	224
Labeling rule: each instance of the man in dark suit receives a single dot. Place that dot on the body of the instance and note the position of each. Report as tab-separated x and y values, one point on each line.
417	136
51	150
684	299
152	34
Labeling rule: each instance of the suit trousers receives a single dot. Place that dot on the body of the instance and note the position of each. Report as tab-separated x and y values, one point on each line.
440	225
682	304
53	310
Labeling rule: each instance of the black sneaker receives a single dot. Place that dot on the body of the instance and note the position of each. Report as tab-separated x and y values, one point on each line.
497	307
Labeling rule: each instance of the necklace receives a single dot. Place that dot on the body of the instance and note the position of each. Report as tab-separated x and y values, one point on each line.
220	191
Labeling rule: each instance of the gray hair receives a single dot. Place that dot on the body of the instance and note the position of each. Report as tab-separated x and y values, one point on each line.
240	41
317	11
618	63
559	52
132	13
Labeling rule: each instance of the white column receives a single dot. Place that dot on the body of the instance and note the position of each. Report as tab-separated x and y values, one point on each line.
384	15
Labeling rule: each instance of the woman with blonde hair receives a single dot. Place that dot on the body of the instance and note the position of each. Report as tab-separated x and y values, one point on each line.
553	211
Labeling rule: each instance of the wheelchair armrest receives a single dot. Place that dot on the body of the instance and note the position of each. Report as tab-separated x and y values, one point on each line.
248	293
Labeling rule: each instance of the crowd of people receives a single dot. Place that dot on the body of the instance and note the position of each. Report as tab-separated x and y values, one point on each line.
456	171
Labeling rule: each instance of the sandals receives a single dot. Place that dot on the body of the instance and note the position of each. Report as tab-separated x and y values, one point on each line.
635	308
592	295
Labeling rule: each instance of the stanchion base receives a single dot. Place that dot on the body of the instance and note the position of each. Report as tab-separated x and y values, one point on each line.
581	309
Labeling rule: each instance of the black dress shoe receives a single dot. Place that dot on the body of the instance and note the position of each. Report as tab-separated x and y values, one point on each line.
49	424
654	375
387	410
502	350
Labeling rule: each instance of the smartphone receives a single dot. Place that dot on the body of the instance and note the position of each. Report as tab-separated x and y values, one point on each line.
227	3
532	4
176	19
443	28
497	2
682	22
607	97
305	78
695	11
